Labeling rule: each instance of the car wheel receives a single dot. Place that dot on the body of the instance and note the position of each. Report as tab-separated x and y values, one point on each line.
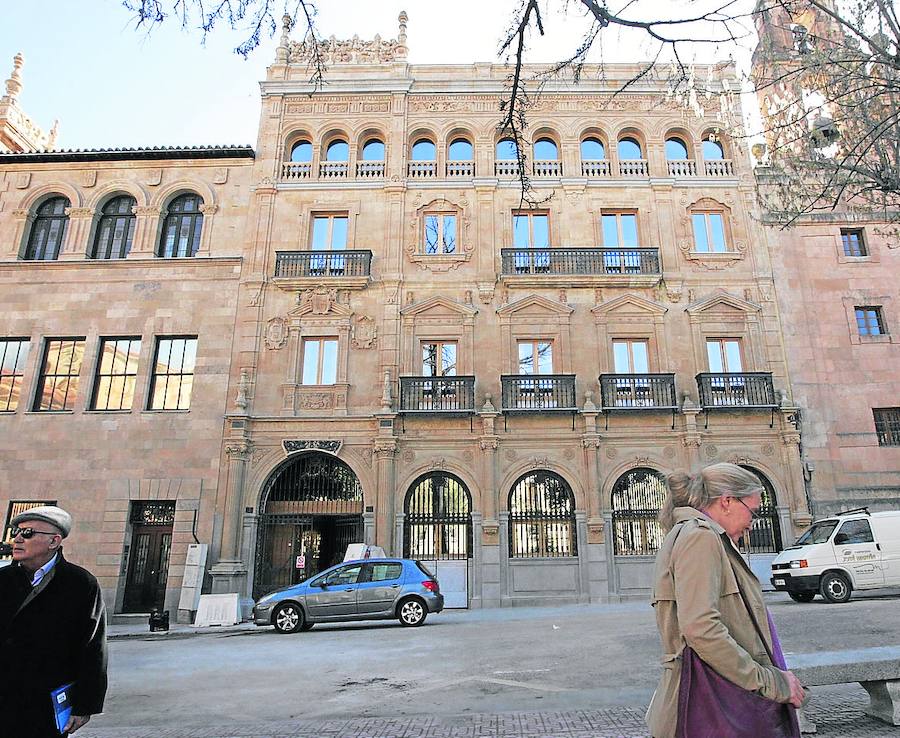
835	587
288	618
802	596
411	612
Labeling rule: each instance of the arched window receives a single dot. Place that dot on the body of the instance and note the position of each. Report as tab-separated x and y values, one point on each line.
712	150
373	150
48	230
629	148
592	149
636	499
545	150
182	227
676	149
115	229
765	533
437	521
301	152
506	150
541	517
460	150
337	151
423	150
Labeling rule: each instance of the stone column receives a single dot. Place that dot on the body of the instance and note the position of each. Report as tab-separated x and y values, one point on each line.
581	540
793	463
612	578
75	244
385	450
146	227
369	528
229	574
476	594
504	559
22	220
399	519
691	438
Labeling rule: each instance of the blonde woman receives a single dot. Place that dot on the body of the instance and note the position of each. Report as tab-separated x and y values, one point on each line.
707	600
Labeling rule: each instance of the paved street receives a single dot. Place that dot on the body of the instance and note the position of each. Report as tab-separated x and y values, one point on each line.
572	671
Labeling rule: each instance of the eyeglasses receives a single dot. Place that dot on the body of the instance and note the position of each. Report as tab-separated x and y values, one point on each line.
27	533
754	514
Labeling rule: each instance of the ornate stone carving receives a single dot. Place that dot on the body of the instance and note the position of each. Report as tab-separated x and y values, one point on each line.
315	401
266	183
292	446
145	211
441	262
409	456
220	175
489	444
80	212
611	452
20	213
255	296
318	301
153	177
539	462
209	209
590	442
23	179
486	294
711	451
385	446
243	390
365	333
89	178
510	454
468	455
352	51
276	333
569	453
641	460
768	449
743	460
438	463
669	452
239	449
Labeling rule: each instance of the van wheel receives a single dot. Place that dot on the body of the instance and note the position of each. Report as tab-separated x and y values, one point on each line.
835	587
411	612
288	618
802	596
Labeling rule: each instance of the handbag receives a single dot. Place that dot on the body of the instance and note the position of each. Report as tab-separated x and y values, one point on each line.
711	706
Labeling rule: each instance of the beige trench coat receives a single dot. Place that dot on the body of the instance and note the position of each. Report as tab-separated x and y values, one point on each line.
697	603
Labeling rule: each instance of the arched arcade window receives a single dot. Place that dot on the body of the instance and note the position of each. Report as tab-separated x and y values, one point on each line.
301	152
542	517
338	150
373	150
48	230
507	150
437	521
423	150
545	150
676	149
460	150
182	227
629	149
592	149
637	497
115	229
712	150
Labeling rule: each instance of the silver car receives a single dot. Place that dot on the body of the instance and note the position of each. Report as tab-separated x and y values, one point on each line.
370	589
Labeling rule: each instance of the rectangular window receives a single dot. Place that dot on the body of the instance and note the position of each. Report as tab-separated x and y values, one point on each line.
116	373
320	360
13	353
440	233
709	232
531	230
173	373
724	355
535	357
887	425
17	507
869	321
853	241
329	232
58	383
630	357
439	359
619	230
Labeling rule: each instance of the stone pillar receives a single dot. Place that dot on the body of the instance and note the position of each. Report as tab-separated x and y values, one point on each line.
691	438
399	519
22	220
146	223
385	450
581	539
369	528
504	559
611	574
75	244
793	463
475	596
229	574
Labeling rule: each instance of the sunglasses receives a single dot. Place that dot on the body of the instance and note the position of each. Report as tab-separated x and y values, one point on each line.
27	533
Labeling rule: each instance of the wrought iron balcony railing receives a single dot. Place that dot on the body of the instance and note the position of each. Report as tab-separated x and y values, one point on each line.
585	261
444	395
292	264
736	390
638	392
537	393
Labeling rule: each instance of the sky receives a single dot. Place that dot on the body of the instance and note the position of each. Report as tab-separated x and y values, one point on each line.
112	85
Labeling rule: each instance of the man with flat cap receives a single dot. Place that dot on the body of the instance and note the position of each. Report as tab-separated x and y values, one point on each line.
52	630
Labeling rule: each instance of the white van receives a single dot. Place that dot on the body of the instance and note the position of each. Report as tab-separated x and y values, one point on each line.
853	550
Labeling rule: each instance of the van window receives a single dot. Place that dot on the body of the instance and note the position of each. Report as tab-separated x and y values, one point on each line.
856	531
819	533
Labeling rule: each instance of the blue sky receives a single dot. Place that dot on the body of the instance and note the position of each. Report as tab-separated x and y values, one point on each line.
111	85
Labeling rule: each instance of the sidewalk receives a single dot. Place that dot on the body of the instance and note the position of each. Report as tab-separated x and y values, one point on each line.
140	630
837	712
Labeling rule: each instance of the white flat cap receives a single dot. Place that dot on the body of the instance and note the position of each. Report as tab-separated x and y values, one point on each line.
52	514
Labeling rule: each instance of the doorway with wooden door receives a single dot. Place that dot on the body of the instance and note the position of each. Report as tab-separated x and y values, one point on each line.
148	555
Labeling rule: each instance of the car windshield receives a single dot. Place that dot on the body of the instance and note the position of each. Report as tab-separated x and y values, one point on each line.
819	533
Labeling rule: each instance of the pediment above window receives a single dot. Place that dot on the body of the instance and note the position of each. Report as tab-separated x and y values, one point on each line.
535	305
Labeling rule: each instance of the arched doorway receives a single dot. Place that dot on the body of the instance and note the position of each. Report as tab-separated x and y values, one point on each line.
311	510
437	530
765	534
542	517
636	499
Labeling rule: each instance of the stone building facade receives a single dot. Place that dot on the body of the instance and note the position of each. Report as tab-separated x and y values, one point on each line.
392	348
836	277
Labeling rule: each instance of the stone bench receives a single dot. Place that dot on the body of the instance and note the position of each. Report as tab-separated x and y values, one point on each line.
876	669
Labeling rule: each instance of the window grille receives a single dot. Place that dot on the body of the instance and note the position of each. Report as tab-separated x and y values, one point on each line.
636	499
887	425
437	519
541	517
153	513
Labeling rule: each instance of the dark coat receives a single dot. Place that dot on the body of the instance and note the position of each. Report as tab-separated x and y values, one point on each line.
57	638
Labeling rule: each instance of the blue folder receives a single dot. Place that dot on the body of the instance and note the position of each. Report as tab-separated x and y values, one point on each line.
62	705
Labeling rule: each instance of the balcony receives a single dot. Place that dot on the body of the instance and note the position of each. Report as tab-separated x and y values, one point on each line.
547	168
456	169
719	168
749	390
682	168
296	269
333	170
422	169
437	395
537	393
638	392
506	168
293	171
595	168
581	266
633	168
370	170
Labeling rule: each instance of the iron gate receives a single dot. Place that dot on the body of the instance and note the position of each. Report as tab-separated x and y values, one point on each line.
541	517
765	533
636	499
437	521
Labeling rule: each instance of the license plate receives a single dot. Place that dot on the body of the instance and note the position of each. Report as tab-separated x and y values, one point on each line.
779	582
